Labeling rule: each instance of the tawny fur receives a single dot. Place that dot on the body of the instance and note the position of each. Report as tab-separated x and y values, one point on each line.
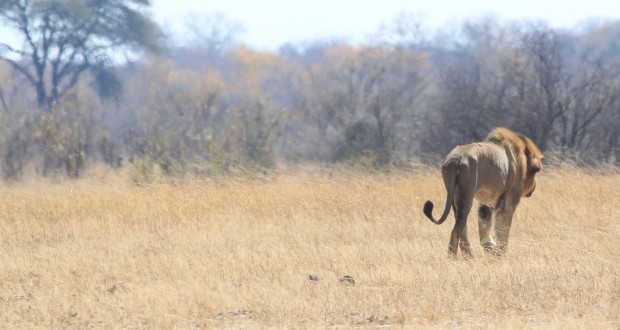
497	172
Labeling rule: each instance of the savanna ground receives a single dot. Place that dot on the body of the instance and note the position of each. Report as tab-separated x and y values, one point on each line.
274	252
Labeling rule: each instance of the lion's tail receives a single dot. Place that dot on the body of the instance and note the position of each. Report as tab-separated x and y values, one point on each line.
452	169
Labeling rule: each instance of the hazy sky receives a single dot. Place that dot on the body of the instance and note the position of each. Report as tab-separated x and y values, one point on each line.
269	23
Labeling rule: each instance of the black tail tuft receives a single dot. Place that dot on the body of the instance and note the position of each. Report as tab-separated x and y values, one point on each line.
428	210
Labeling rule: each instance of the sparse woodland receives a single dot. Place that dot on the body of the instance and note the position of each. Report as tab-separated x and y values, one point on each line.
152	180
77	92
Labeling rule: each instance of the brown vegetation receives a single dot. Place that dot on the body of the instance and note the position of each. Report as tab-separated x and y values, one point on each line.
209	105
302	251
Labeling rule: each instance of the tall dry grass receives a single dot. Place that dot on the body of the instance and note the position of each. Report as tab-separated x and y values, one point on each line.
273	253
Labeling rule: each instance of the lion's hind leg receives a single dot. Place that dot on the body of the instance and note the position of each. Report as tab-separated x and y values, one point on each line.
464	243
458	237
462	206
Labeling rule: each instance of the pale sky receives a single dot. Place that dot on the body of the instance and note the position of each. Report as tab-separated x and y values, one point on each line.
270	23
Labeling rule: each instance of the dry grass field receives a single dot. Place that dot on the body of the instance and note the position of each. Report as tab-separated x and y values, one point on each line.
273	253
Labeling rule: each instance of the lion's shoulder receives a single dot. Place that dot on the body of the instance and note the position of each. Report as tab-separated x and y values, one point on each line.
507	138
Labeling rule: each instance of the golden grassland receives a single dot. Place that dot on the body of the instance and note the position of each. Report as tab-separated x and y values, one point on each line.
272	253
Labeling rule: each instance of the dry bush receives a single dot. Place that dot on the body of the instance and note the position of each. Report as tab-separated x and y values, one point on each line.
275	253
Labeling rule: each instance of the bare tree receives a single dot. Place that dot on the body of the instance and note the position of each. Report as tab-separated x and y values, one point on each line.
537	80
208	43
364	97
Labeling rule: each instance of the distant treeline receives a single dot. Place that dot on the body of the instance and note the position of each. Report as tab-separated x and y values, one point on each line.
81	91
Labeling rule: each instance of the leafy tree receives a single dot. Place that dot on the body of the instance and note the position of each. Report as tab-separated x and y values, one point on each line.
62	39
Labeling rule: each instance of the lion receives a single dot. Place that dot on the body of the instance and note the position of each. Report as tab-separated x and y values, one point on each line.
497	173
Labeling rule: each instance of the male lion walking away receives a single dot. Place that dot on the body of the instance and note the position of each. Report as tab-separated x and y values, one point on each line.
497	172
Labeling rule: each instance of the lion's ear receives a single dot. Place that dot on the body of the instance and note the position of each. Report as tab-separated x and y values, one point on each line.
531	150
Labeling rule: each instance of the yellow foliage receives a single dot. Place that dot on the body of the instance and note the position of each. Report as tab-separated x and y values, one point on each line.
170	89
255	67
